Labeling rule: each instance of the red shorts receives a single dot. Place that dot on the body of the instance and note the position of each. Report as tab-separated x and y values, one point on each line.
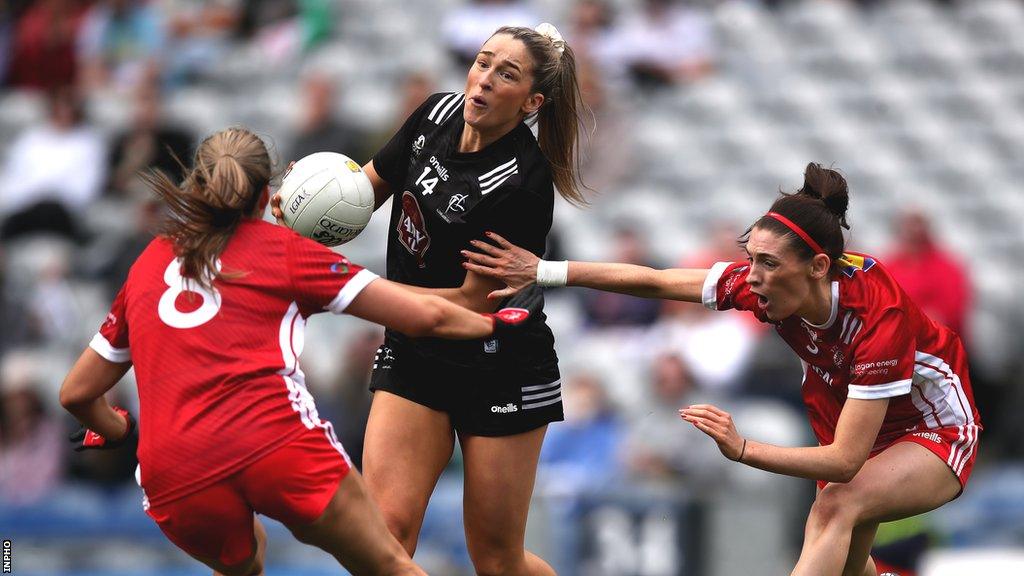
956	446
292	485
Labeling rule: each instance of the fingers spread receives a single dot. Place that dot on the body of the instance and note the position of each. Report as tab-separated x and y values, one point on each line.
479	258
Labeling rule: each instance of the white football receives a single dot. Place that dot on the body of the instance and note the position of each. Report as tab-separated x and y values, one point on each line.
327	197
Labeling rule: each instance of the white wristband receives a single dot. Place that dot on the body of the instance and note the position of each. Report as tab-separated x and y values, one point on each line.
552	273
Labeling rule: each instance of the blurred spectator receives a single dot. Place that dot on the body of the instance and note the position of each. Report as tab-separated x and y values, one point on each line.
466	27
120	44
199	32
581	453
608	141
346	404
148	143
42	43
414	89
590	22
607	309
31	441
52	172
931	275
660	446
665	43
7	20
283	29
321	130
112	255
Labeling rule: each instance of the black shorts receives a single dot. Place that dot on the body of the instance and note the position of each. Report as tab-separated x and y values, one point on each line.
481	401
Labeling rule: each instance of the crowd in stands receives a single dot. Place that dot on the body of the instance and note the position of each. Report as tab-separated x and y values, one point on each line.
74	215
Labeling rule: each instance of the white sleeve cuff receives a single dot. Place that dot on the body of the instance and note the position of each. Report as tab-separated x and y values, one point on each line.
890	390
102	347
350	290
709	295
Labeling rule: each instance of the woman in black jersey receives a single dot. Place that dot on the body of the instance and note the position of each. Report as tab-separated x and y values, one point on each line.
464	164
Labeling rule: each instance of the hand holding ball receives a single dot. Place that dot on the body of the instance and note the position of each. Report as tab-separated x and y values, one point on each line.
326	197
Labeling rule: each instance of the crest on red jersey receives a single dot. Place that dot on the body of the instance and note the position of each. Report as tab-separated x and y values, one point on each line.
850	263
412	228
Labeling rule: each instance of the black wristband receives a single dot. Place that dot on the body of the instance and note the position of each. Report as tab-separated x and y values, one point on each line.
742	451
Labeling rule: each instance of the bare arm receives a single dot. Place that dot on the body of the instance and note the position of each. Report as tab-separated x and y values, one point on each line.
517	269
82	392
840	461
394	306
473	293
381	189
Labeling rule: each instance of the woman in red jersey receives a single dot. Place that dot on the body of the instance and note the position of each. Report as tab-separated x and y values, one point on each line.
211	317
886	388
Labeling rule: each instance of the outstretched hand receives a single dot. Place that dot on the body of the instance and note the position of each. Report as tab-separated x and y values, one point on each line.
514	266
717	424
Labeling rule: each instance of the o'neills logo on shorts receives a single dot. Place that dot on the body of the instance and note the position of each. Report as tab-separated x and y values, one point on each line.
506	409
929	436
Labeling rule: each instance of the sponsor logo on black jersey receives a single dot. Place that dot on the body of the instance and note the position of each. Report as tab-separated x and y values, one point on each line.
417	145
457	203
412	229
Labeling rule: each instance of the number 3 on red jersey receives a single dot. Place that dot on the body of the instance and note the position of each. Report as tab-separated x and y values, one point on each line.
176	285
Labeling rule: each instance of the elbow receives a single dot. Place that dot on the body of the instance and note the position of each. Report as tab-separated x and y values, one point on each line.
71	398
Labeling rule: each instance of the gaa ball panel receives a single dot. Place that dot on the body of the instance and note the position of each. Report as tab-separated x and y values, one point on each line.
331	232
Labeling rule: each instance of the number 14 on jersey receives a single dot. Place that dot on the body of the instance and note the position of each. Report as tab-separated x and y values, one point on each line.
428	184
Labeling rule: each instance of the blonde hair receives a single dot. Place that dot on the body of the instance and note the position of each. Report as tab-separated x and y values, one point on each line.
230	171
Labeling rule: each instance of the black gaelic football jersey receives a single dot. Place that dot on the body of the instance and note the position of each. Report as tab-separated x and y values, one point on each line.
442	199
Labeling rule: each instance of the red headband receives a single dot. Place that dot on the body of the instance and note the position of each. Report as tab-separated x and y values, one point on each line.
798	231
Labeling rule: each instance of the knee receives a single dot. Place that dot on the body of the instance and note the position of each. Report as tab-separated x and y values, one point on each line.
495	560
836	504
492	566
404	526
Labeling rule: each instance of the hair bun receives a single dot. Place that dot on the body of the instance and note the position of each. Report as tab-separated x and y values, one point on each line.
830	187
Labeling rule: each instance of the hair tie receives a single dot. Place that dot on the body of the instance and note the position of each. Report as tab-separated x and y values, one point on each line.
798	231
551	33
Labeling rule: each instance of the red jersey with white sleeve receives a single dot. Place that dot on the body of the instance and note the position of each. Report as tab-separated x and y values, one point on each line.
875	344
218	372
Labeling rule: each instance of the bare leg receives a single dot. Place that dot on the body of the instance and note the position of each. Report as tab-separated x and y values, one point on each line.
904	480
353	531
406	448
496	526
858	561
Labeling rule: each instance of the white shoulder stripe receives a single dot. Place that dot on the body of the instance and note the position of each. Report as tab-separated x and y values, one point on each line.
499	176
492	187
501	168
451	109
441	104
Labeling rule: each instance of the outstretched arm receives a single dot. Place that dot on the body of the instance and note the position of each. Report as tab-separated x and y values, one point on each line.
856	431
518	268
394	306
